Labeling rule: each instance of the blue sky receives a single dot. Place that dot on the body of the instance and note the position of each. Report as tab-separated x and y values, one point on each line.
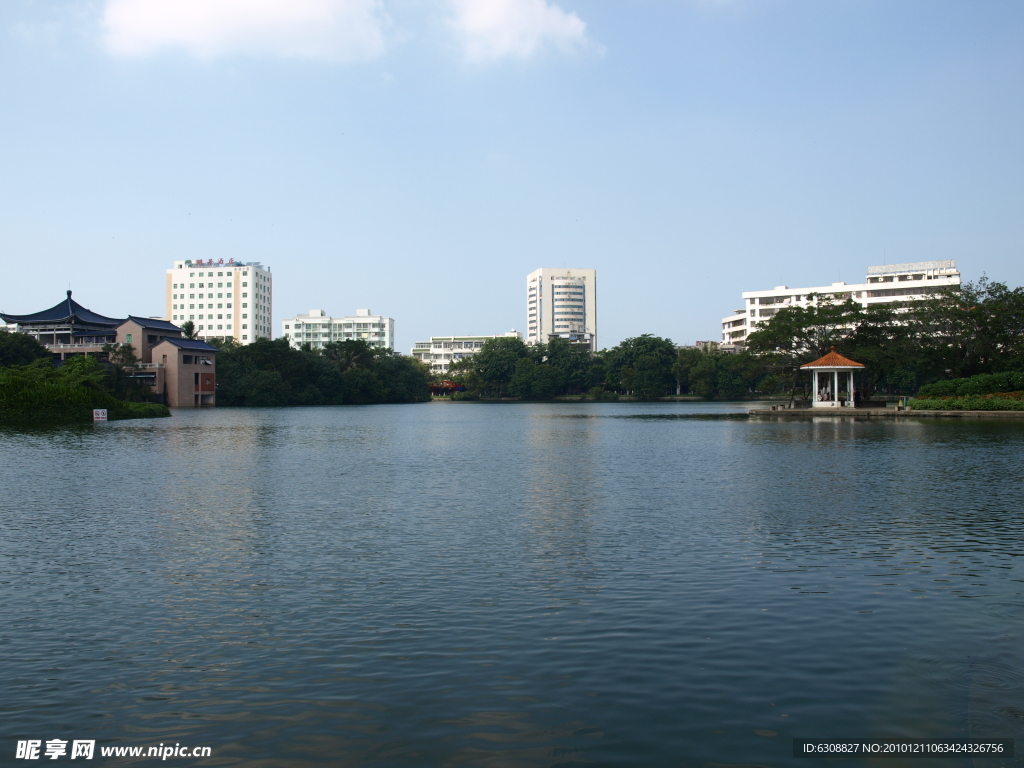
420	157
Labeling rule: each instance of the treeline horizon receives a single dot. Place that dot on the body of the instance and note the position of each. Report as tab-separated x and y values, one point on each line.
976	330
270	373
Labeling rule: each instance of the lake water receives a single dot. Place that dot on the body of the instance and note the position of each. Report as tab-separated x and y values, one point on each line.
511	585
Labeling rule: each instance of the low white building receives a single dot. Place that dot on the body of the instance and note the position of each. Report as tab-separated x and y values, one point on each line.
318	329
441	351
918	280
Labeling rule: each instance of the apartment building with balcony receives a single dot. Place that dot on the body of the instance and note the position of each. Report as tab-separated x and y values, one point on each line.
318	329
882	285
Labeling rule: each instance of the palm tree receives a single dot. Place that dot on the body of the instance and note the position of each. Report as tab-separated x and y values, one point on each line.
188	328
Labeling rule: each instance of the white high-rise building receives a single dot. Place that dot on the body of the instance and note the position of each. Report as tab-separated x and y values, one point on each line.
562	302
318	329
918	280
222	298
441	351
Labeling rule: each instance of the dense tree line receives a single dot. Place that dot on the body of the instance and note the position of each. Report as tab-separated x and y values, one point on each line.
978	329
644	367
972	332
33	391
273	373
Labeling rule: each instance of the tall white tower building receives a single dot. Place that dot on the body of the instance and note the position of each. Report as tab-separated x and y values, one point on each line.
222	298
562	302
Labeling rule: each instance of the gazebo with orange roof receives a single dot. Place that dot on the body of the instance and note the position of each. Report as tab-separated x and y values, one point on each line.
826	372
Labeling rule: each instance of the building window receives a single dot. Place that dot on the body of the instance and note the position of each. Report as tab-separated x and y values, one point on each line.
244	325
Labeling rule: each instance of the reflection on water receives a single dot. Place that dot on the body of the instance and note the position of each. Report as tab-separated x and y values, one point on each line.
467	584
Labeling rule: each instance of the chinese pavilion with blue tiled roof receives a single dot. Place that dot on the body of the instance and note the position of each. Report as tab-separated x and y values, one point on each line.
178	371
67	323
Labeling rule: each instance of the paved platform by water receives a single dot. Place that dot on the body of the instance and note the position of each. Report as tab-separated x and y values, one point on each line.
884	413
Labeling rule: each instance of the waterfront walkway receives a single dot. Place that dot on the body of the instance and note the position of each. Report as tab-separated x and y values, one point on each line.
883	413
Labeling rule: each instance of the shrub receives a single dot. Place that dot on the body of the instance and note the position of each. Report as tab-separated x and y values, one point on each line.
39	393
1000	401
602	395
982	384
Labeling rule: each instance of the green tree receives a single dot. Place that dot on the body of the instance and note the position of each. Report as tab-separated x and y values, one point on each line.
798	335
354	353
464	374
977	329
122	356
703	377
38	392
521	384
731	385
546	383
650	378
299	378
254	388
802	334
622	365
496	362
572	364
124	367
188	329
405	379
20	349
269	373
223	343
362	386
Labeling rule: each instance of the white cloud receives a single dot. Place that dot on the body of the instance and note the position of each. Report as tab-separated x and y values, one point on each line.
493	29
318	29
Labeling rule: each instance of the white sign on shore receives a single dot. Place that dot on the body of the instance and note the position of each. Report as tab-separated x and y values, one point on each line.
99	414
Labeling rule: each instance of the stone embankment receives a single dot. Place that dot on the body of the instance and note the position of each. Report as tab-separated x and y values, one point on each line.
884	413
